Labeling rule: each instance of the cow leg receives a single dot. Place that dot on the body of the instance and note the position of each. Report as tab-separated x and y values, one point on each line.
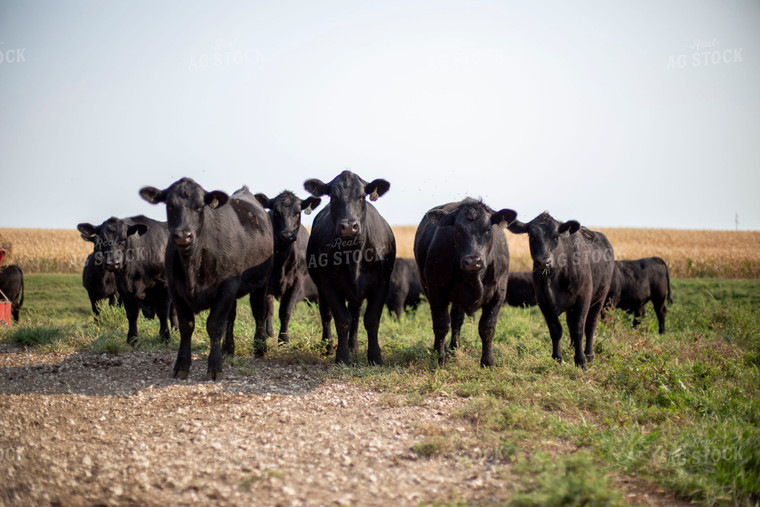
326	317
457	319
555	331
441	324
15	312
186	324
372	316
638	314
287	304
216	326
133	311
270	315
111	300
95	309
259	308
163	306
660	309
486	328
395	304
592	319
228	346
576	323
342	326
353	332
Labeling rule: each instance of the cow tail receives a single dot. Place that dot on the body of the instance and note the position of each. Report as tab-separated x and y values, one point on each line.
667	275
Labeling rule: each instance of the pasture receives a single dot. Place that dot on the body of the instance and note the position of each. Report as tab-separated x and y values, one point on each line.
655	419
689	254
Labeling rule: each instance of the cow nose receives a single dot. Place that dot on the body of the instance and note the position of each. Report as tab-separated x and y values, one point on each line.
472	263
182	237
113	266
286	235
348	228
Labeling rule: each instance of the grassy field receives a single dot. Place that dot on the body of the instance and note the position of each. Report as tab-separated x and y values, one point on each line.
681	411
689	254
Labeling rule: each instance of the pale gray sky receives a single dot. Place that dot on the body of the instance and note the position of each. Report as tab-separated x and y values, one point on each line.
635	113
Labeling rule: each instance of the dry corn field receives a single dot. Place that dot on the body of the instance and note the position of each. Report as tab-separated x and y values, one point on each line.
689	254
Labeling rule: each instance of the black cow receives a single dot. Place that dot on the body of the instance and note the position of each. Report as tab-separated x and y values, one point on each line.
636	282
220	249
289	269
463	258
572	272
99	282
350	257
520	291
133	250
405	289
12	285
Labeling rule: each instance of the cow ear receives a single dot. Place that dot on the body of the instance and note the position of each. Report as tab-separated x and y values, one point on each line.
517	227
503	217
88	231
264	200
310	204
153	195
439	217
376	188
316	187
568	228
215	199
138	229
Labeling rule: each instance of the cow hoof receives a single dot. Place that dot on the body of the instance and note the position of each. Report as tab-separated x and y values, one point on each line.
132	341
558	359
589	358
329	349
214	375
377	361
581	364
181	374
487	362
283	340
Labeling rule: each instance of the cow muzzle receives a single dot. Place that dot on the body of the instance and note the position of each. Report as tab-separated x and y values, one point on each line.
289	236
348	228
113	266
183	238
471	263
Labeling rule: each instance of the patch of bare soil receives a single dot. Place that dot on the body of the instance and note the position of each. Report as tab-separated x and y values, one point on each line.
86	429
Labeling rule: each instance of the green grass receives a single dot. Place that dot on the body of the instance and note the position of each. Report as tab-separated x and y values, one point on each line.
679	411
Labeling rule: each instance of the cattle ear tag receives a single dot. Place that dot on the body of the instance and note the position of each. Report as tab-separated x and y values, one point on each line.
565	234
308	210
373	196
213	204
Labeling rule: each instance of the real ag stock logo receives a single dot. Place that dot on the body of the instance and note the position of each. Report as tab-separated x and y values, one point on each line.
705	53
12	55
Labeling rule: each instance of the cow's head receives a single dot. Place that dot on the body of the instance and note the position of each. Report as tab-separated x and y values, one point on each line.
545	235
473	224
348	206
286	213
110	238
186	203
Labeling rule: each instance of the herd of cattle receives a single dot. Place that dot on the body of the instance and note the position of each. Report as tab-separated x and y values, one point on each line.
215	248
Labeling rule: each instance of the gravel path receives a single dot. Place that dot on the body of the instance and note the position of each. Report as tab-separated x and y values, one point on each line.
89	429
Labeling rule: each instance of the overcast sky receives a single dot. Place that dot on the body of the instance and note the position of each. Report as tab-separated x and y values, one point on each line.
635	113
